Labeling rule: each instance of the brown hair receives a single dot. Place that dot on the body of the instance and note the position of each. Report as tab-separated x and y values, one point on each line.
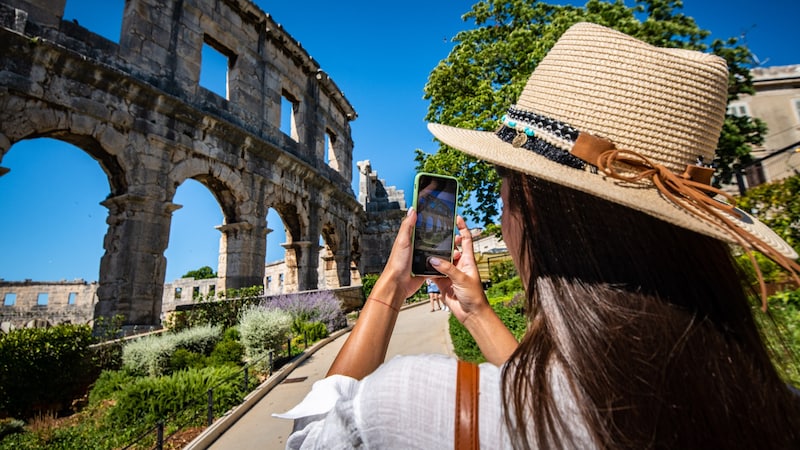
650	325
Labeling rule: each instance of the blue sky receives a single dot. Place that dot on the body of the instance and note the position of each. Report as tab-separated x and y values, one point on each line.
378	53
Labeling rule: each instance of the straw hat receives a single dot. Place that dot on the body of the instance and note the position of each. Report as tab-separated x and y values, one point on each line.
631	123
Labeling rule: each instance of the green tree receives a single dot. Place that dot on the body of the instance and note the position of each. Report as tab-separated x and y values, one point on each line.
776	205
490	64
201	273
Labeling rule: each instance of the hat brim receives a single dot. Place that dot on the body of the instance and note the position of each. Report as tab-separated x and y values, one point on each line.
487	146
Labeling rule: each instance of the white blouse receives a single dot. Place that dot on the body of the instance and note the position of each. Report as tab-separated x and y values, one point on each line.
407	403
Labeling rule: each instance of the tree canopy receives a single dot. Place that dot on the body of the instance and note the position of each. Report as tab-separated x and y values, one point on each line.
490	64
201	273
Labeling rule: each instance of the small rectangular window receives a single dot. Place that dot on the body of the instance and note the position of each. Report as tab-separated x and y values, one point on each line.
288	111
41	299
212	290
10	299
103	18
269	282
214	69
280	280
738	109
178	292
330	150
196	292
72	297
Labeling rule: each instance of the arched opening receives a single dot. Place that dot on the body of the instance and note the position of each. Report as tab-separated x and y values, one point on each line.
276	270
193	237
328	265
52	224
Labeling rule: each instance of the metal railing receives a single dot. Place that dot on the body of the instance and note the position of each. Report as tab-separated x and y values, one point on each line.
175	418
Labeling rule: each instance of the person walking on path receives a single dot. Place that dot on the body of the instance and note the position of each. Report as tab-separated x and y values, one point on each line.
640	333
434	295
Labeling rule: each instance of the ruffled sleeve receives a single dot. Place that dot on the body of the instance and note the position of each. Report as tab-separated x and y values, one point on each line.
324	419
408	402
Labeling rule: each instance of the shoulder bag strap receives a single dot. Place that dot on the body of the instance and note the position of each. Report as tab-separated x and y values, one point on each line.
466	427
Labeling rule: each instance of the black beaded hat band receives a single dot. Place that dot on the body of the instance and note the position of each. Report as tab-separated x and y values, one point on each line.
537	133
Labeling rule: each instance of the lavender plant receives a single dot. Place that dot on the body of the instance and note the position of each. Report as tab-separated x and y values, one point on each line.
317	306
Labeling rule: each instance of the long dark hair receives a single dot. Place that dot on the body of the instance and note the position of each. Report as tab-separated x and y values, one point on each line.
650	325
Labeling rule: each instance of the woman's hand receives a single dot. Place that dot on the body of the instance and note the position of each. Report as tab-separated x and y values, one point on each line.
397	271
463	293
462	289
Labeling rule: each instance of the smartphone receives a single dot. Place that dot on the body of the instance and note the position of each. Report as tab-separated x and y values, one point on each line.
434	232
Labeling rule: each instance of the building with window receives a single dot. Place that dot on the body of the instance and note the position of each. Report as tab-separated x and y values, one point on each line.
777	103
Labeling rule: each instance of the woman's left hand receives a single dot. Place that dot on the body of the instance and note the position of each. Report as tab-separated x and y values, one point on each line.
397	271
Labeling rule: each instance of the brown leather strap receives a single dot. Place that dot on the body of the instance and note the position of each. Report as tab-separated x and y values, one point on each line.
466	437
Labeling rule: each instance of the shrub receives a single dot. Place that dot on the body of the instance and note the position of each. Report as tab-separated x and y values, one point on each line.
108	384
179	397
184	359
10	426
367	283
223	310
148	355
151	355
227	352
264	329
465	346
308	332
44	368
505	288
503	270
317	306
780	327
200	339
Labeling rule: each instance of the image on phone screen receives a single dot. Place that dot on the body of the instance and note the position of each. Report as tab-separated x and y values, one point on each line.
435	202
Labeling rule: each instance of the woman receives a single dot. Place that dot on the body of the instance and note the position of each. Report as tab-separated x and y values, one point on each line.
640	333
434	295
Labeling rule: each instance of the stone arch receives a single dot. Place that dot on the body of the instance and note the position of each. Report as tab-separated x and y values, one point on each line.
329	259
242	246
296	246
225	184
98	143
136	107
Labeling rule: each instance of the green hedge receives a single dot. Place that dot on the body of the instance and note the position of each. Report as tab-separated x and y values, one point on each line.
464	345
44	369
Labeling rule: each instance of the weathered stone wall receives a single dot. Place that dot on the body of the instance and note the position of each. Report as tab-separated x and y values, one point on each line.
187	290
386	208
73	301
138	109
37	304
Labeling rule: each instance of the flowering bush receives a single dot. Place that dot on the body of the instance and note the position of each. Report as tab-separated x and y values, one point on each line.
263	329
151	355
317	306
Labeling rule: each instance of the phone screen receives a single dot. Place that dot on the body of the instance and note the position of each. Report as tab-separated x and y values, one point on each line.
435	203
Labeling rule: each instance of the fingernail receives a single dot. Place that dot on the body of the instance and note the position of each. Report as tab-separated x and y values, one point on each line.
408	213
434	261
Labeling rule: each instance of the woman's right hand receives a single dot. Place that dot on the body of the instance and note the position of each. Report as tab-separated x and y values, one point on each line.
463	293
462	289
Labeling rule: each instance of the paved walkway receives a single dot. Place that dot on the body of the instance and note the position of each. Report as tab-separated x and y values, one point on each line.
252	427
